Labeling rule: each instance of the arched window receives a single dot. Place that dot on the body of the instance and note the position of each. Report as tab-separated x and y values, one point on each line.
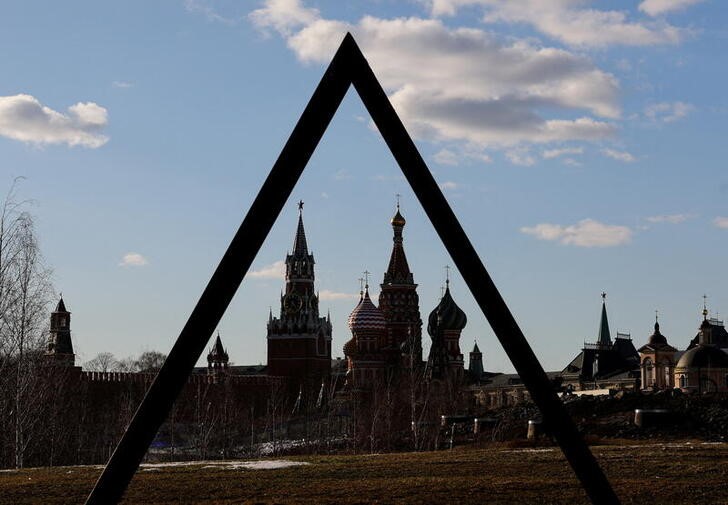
648	372
683	381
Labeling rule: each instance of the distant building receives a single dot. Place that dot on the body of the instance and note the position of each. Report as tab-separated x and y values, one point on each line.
703	366
657	361
599	367
604	364
386	340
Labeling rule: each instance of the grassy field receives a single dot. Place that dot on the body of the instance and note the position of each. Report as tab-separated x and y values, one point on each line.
669	473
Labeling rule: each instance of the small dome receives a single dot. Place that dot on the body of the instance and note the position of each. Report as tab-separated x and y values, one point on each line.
398	220
366	316
703	356
657	338
350	347
447	314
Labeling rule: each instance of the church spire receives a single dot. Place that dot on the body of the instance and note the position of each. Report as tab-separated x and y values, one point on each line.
398	271
300	248
604	336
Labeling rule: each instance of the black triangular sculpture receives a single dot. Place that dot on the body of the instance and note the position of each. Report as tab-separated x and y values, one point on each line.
348	67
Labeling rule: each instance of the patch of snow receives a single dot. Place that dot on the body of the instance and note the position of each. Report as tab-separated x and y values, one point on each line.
226	465
548	449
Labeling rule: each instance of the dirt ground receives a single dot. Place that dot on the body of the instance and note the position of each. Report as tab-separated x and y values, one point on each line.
689	472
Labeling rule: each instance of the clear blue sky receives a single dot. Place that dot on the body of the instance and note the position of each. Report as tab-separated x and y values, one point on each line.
581	144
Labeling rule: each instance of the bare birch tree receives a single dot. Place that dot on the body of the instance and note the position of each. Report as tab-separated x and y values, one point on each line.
25	294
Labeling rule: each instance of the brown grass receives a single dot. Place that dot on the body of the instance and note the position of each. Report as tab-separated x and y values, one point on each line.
671	473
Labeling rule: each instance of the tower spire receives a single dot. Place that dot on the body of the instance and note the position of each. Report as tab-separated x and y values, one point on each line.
604	336
300	248
398	271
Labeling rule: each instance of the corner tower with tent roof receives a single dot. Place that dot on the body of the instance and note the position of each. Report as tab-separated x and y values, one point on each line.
217	358
60	346
299	340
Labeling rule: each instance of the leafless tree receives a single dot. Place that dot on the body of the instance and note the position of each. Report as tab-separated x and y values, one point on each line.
150	361
103	362
25	294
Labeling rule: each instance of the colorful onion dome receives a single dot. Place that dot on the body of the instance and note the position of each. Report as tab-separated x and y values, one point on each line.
366	316
446	316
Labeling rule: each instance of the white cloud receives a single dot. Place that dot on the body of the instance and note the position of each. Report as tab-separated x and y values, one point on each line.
670	218
328	295
461	154
122	84
721	222
571	23
521	157
571	162
132	259
462	84
622	156
206	8
276	270
284	16
555	153
586	233
388	178
667	112
449	186
659	7
24	118
446	157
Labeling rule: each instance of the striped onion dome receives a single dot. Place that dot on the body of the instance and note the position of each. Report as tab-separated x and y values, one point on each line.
366	316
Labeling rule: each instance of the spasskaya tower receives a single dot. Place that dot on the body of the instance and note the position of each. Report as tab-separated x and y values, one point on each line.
299	341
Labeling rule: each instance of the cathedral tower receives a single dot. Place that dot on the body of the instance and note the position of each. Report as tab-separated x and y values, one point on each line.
399	302
60	347
299	341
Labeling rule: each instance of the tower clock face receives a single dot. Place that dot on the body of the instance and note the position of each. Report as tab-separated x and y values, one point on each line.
292	303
